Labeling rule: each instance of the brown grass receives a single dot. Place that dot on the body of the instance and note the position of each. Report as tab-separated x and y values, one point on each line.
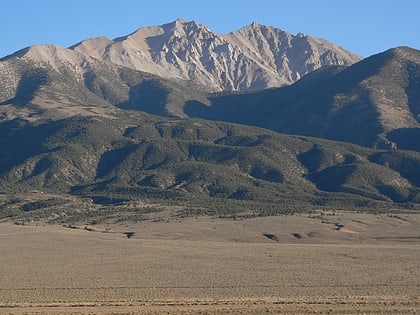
206	266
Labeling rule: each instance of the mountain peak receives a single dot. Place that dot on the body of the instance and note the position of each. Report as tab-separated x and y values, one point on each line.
53	55
253	27
255	24
174	24
405	52
181	23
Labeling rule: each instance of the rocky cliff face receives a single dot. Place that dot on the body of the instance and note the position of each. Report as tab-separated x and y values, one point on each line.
289	56
254	57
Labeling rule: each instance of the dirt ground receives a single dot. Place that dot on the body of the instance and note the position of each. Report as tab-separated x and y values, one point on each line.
325	263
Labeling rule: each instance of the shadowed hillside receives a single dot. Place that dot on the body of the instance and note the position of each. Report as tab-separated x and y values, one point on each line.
218	168
373	103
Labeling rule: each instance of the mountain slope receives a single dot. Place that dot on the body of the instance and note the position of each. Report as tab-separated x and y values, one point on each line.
48	81
211	166
190	51
374	103
52	82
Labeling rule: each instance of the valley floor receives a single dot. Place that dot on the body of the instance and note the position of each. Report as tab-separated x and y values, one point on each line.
324	263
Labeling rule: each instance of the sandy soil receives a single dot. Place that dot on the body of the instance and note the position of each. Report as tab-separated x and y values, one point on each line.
329	264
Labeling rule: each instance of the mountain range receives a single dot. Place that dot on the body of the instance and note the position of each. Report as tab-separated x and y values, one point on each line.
252	58
256	120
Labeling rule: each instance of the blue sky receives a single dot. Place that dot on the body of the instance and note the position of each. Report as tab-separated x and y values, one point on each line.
365	27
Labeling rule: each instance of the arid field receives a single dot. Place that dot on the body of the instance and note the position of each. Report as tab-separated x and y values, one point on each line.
321	263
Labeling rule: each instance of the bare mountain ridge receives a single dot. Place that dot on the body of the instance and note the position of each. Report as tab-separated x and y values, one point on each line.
254	57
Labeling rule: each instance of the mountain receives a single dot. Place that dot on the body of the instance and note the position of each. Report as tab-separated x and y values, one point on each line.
254	57
83	136
374	103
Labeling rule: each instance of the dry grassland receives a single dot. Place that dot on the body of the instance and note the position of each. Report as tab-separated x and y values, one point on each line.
341	264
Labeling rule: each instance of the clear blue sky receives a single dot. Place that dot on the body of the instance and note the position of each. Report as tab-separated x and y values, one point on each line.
365	27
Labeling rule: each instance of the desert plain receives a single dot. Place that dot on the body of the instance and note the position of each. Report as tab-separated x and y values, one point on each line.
319	263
